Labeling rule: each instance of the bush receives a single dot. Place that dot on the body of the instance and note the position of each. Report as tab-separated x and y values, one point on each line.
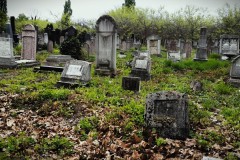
72	47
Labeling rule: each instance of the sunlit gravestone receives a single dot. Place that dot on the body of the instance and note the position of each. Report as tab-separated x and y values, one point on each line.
29	41
168	112
201	54
106	45
154	45
75	73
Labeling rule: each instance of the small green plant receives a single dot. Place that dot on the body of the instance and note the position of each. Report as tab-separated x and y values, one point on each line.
160	141
223	88
87	124
215	56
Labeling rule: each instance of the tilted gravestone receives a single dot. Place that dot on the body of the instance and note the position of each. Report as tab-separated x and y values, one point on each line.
76	72
29	41
131	83
229	45
167	111
106	45
154	45
6	53
141	67
201	54
235	72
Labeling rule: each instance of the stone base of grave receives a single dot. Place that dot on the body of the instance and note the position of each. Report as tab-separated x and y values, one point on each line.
143	74
57	60
8	62
48	69
69	84
131	83
104	72
27	63
234	82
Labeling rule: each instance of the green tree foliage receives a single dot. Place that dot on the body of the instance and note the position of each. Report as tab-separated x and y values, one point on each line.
65	21
3	14
130	3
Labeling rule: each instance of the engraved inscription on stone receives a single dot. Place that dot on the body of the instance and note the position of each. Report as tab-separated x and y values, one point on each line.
74	70
141	64
5	47
153	43
233	45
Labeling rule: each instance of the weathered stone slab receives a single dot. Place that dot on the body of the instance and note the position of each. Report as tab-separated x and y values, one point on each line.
168	112
229	45
76	72
141	67
131	83
201	54
154	44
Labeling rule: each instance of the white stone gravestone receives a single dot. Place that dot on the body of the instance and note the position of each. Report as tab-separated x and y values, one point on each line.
106	45
154	44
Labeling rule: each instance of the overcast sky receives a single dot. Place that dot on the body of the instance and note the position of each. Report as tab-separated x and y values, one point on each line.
92	9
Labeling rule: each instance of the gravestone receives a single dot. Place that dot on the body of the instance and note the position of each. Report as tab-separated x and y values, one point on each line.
50	46
201	54
229	45
106	45
215	46
188	49
174	56
167	111
123	45
7	59
235	72
61	39
9	30
131	83
29	41
15	36
141	67
75	73
154	45
45	38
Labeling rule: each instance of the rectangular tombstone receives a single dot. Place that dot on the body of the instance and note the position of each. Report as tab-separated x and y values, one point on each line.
106	45
6	47
201	54
141	67
235	72
154	44
188	49
229	45
168	112
131	83
29	41
75	72
174	56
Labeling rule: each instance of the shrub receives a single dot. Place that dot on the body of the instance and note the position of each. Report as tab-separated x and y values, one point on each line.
72	47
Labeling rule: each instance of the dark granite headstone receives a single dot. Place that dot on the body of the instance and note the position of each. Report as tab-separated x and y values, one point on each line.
131	83
168	112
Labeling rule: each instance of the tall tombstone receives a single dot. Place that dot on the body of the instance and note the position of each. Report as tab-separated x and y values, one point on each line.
167	111
201	54
106	45
229	45
50	46
29	41
45	38
188	49
154	44
235	72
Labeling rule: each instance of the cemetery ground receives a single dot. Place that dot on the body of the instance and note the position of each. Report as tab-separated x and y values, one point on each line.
40	121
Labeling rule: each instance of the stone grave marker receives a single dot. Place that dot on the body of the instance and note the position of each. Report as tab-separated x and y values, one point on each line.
6	53
167	111
106	45
235	72
50	46
188	49
75	73
229	45
174	56
45	38
29	41
154	45
141	67
201	54
131	83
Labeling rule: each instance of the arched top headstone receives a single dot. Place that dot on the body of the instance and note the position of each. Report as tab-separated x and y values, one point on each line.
29	27
106	24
